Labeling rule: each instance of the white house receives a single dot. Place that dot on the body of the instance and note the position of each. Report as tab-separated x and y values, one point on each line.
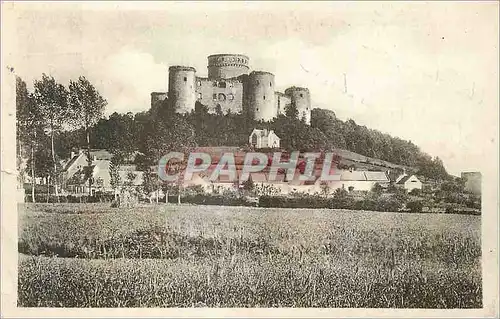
264	139
74	180
409	182
359	180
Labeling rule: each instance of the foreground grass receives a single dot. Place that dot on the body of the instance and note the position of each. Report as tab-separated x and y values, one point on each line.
242	281
183	256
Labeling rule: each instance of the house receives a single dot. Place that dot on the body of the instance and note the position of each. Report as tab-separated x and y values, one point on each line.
75	173
409	182
264	139
358	180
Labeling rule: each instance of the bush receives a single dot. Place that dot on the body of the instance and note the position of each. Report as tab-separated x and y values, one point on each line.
415	192
451	209
415	206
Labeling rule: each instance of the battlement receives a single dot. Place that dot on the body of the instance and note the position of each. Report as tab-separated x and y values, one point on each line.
181	68
295	89
224	66
261	73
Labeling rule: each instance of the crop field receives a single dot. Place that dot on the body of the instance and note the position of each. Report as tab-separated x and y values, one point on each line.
91	255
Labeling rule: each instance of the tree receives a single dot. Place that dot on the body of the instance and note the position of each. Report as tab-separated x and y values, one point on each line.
51	99
377	189
291	111
325	188
130	181
29	129
168	132
248	185
87	107
114	174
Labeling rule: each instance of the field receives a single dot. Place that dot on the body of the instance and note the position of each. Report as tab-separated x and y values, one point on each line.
90	255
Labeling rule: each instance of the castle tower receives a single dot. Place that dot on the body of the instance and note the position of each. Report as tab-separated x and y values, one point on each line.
472	182
260	95
181	88
157	97
302	100
226	66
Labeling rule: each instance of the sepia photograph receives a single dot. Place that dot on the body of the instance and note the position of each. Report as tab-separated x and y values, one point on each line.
250	159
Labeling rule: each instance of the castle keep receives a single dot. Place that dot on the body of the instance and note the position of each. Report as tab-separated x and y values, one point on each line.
230	86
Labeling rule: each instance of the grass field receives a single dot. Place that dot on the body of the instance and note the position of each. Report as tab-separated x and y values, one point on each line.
90	255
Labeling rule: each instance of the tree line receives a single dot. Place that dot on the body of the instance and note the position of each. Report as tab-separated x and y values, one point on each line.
54	119
44	114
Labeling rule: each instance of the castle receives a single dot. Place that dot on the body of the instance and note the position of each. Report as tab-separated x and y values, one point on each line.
231	87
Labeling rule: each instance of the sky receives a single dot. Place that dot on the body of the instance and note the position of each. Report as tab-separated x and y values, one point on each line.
423	71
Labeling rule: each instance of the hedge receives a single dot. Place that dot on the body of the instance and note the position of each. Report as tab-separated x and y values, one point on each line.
41	198
381	204
206	199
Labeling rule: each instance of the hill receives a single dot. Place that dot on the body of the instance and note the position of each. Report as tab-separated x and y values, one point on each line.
356	145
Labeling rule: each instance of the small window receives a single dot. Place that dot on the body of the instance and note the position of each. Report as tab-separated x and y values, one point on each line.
301	95
264	97
199	83
222	97
214	97
222	59
257	81
222	85
185	79
230	96
270	84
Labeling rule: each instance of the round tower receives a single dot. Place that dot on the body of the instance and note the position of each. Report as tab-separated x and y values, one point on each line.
260	95
226	66
302	100
181	88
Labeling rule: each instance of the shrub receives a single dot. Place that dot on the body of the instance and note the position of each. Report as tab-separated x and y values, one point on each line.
451	209
415	192
415	206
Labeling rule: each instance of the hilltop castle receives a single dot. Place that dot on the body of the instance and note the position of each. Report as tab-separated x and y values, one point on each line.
231	87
